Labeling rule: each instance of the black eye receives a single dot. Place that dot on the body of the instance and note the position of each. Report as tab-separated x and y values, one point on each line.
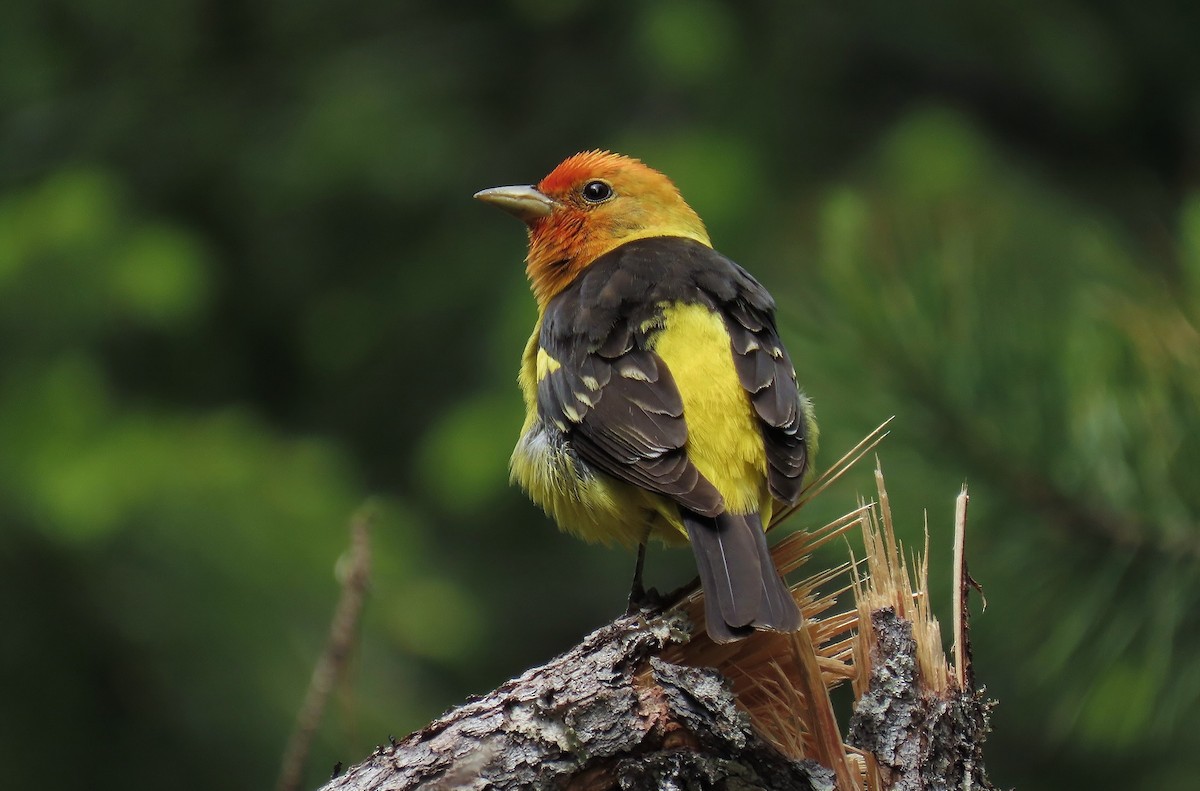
596	192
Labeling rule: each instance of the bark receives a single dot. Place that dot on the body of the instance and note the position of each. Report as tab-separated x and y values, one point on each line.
921	741
611	714
608	714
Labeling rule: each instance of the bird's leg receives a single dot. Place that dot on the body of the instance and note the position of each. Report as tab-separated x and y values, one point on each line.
639	597
637	591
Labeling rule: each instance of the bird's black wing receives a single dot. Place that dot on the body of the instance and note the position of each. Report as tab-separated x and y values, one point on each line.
612	396
616	399
768	376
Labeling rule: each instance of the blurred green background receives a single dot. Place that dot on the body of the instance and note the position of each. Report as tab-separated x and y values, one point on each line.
243	287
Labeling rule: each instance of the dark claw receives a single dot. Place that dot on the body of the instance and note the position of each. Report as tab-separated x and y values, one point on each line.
647	601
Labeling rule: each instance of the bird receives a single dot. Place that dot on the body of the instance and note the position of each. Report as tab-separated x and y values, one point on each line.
660	401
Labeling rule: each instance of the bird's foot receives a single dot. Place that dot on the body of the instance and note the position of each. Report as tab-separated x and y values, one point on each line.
647	601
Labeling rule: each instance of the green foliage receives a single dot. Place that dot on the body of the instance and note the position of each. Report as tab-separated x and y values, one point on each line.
1028	349
243	288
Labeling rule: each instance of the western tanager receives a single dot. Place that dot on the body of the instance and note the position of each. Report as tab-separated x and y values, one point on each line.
660	400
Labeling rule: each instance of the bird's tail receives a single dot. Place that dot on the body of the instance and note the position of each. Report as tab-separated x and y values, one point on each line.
742	588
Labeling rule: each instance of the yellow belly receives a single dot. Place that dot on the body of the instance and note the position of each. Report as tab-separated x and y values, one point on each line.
587	504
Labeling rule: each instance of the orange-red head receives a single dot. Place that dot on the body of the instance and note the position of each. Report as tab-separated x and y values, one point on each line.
588	205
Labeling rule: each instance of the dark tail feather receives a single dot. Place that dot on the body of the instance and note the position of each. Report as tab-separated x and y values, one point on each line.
742	589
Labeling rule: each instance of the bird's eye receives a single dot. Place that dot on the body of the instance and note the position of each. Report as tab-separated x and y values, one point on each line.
596	192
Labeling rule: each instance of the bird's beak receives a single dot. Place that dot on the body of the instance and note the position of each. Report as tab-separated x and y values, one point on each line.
523	202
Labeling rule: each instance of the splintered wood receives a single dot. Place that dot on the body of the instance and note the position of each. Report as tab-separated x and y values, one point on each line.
783	681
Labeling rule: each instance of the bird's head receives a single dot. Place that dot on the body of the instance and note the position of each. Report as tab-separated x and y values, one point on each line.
588	205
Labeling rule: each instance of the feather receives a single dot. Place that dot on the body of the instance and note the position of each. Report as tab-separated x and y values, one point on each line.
742	588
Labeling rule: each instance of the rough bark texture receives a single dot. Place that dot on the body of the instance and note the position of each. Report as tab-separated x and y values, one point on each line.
920	740
605	715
